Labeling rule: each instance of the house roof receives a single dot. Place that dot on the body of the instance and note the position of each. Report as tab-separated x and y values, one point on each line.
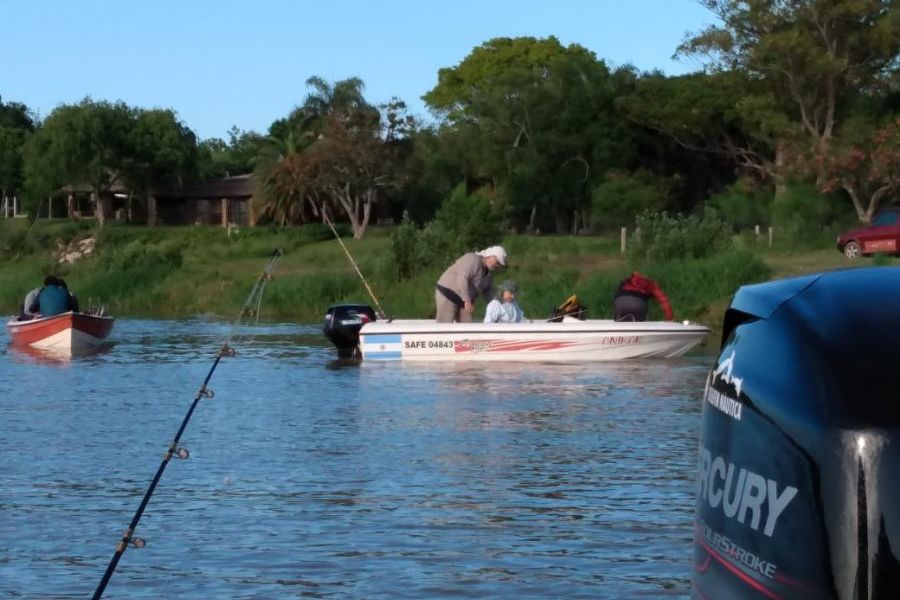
239	186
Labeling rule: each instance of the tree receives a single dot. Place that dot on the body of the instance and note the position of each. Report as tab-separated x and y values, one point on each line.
16	125
537	120
160	150
720	113
356	164
217	158
806	58
290	189
86	142
866	164
343	98
334	151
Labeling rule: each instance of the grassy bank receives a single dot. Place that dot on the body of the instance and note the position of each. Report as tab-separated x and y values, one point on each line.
176	272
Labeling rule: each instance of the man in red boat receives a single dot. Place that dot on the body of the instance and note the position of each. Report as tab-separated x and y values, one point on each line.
53	299
630	302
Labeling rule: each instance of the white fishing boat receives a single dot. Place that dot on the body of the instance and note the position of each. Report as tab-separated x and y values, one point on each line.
354	331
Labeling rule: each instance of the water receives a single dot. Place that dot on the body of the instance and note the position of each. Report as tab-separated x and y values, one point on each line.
311	479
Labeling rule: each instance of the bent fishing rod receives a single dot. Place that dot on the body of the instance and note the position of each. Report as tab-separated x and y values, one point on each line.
250	308
378	310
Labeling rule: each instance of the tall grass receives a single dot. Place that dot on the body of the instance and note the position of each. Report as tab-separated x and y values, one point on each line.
169	271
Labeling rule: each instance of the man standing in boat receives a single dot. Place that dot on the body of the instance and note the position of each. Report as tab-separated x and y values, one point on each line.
630	302
463	281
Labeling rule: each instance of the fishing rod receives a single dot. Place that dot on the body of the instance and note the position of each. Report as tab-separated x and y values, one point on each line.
248	309
378	310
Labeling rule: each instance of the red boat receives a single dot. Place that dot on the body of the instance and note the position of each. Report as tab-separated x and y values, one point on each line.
68	332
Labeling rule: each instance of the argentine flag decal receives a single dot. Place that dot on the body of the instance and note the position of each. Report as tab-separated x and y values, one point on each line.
381	347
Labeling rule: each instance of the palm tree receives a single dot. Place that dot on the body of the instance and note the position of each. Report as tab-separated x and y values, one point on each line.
343	97
286	171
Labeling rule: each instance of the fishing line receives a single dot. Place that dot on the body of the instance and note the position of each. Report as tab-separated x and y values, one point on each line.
250	308
378	310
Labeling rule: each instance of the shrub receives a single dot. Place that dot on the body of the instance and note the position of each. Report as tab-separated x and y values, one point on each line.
803	217
140	255
742	205
404	240
666	237
463	223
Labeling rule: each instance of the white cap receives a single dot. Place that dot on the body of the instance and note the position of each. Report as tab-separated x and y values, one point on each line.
496	251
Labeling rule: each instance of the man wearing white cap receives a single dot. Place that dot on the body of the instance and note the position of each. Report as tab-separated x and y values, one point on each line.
463	281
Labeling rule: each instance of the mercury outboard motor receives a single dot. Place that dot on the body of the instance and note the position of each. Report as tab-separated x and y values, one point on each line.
342	325
798	486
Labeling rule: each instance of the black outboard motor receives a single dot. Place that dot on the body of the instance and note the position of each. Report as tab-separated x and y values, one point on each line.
798	486
342	325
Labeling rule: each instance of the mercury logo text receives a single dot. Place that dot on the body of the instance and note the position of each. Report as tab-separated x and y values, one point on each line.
742	494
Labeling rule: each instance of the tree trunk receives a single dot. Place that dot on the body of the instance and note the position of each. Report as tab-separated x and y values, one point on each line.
778	172
99	207
70	206
367	212
530	228
347	203
861	213
560	219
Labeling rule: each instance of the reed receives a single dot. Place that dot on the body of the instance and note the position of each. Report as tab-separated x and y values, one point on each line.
177	272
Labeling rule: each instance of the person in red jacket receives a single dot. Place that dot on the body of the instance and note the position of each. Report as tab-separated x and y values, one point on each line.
631	299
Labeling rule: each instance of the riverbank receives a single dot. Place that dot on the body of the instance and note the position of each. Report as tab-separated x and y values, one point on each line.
186	271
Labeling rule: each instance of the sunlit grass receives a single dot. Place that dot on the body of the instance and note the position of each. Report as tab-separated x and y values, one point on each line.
135	271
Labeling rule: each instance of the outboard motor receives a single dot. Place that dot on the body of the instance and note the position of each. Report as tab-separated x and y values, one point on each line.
342	325
798	485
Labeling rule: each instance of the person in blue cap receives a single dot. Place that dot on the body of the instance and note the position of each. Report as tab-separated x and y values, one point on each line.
505	309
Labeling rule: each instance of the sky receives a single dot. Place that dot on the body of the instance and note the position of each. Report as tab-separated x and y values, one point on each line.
223	63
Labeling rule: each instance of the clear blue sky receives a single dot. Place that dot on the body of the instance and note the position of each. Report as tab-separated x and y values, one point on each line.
220	63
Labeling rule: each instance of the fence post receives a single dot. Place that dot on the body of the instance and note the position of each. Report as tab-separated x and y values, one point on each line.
623	240
756	229
770	235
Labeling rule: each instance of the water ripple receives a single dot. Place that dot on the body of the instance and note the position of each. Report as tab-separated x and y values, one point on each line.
314	478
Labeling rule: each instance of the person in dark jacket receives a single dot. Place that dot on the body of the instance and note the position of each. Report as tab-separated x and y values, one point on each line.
53	299
630	302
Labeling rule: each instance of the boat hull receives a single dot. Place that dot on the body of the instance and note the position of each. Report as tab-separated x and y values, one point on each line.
570	341
67	332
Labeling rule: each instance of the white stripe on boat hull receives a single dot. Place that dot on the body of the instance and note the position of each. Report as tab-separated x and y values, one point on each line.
68	340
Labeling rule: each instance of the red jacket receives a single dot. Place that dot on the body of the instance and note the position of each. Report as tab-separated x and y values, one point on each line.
640	285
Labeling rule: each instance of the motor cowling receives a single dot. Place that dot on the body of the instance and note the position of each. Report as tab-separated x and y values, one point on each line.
798	482
342	324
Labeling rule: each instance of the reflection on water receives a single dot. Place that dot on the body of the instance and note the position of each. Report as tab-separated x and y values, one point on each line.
23	352
310	477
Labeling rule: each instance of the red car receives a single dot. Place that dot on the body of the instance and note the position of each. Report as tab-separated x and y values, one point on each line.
881	235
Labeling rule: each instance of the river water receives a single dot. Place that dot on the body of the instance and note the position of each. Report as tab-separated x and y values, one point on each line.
308	478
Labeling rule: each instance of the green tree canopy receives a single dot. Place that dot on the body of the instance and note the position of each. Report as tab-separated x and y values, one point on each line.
16	125
162	150
80	143
536	119
810	58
